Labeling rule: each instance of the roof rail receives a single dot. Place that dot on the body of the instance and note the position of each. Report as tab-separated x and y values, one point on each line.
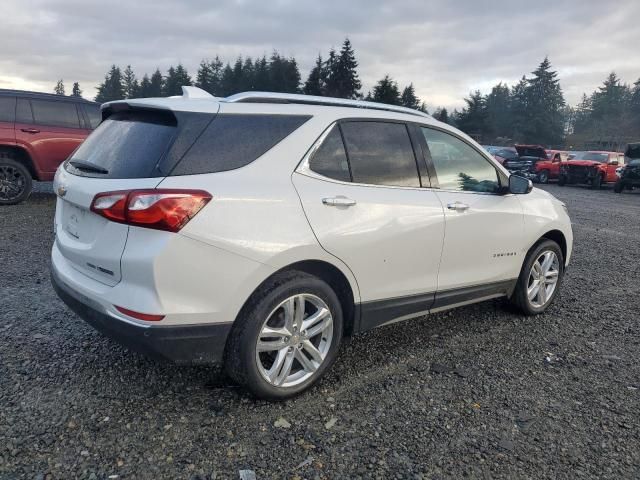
269	97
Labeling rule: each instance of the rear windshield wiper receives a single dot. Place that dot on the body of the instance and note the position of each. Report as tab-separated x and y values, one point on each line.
88	166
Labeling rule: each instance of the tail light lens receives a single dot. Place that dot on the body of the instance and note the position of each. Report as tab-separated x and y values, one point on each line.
160	209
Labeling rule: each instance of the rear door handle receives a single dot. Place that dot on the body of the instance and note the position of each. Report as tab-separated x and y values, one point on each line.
30	130
338	202
458	206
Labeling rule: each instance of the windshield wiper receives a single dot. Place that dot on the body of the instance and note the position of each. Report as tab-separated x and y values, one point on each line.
88	166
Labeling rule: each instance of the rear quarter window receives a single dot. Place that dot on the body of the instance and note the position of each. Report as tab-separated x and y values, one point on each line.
234	140
57	114
7	109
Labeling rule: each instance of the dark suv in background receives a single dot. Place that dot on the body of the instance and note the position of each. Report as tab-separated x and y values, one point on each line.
630	173
38	131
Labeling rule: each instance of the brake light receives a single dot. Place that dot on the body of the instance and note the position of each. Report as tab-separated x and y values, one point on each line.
160	209
147	317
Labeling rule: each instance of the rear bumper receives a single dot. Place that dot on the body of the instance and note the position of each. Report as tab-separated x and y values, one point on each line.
190	344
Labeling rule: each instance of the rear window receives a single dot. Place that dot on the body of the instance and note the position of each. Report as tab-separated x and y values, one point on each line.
234	140
57	114
7	109
126	145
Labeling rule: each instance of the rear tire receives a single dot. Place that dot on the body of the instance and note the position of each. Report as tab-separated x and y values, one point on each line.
562	180
535	273
268	332
15	180
619	186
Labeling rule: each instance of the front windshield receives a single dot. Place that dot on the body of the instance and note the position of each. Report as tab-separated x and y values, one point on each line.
591	156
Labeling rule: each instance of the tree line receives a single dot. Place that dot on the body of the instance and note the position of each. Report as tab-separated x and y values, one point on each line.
533	110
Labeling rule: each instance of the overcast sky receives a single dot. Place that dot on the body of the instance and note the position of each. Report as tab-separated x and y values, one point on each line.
447	48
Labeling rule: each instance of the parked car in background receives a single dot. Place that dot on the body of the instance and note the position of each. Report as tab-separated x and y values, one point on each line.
502	153
591	168
535	163
629	176
261	229
38	131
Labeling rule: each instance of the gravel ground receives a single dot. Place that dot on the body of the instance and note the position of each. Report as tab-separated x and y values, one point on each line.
477	392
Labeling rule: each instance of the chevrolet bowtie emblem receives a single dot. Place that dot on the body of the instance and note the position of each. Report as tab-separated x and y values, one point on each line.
62	191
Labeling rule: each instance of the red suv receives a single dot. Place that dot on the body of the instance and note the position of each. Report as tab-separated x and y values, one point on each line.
591	168
38	131
535	163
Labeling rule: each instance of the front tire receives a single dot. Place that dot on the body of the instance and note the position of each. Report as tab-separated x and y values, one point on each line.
596	183
540	278
285	337
15	181
618	187
543	176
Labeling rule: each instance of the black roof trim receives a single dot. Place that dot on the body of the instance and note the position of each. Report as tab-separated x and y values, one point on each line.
43	96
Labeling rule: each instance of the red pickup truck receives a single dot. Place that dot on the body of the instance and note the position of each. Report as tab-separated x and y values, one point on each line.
536	163
38	131
591	168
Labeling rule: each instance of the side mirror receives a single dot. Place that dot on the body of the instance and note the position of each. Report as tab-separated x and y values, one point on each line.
519	185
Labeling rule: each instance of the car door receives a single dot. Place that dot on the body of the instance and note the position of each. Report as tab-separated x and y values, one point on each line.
361	190
483	247
613	163
50	130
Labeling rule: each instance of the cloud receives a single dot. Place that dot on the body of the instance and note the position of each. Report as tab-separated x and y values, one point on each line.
447	49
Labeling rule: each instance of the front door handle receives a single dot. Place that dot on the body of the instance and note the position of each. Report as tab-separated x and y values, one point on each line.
338	202
458	206
30	130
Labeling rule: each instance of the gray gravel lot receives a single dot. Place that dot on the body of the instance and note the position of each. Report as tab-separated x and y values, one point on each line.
477	392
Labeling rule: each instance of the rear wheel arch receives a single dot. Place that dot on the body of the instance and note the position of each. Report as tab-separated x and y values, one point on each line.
331	275
20	155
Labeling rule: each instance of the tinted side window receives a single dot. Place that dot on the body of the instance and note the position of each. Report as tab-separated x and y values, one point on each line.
93	114
458	165
380	153
58	114
7	109
234	140
330	159
23	111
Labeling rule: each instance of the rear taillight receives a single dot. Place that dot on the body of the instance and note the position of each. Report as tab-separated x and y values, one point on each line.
147	317
160	209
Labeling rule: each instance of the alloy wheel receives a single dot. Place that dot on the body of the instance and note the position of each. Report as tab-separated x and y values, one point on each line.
294	340
543	279
12	182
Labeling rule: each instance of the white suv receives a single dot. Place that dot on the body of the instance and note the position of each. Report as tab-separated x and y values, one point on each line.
261	229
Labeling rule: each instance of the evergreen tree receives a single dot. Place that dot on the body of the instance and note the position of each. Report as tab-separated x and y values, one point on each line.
130	83
498	105
145	87
261	79
582	115
519	105
472	119
156	84
176	79
247	82
346	81
111	88
634	103
284	75
227	82
316	80
408	98
386	91
441	114
76	92
331	75
611	99
59	88
545	107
